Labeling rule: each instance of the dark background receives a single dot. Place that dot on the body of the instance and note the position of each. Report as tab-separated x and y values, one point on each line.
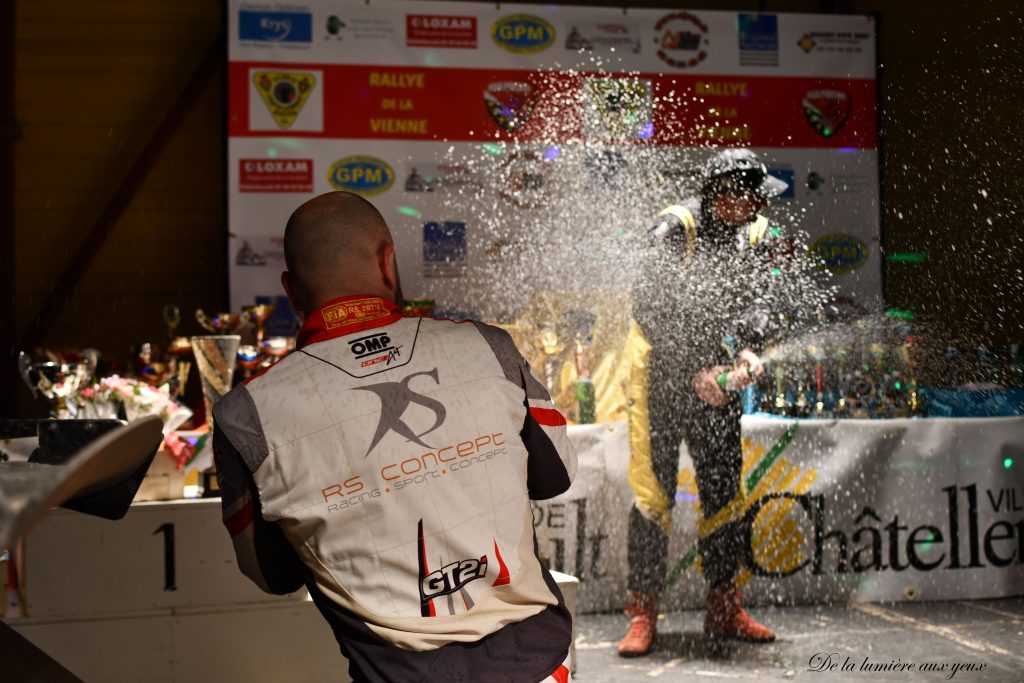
112	138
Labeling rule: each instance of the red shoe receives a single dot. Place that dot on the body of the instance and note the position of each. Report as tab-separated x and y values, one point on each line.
726	618
639	639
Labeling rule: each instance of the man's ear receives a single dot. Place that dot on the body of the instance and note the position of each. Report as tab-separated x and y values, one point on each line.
289	289
388	267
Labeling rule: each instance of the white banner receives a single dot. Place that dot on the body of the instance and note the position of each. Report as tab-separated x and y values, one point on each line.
837	510
478	129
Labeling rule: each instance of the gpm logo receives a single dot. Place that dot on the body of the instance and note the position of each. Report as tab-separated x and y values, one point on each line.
364	176
523	34
840	253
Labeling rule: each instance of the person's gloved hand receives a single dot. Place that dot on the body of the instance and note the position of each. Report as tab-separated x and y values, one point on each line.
749	359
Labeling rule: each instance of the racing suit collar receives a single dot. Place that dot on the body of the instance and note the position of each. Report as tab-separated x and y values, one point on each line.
347	315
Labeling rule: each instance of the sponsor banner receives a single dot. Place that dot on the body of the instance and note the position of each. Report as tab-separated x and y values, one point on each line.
522	34
604	36
444	249
411	104
482	36
832	193
284	28
275	175
365	176
834	511
417	104
275	101
759	39
430	30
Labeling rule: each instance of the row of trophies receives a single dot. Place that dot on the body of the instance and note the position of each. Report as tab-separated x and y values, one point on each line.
871	380
879	380
68	382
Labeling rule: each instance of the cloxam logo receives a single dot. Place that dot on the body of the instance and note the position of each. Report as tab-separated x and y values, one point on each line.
378	345
395	398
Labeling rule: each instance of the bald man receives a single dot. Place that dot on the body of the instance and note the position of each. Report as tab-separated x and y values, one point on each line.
388	466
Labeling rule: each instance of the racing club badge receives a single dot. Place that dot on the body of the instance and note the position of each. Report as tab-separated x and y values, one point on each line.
284	94
827	111
616	107
682	40
510	103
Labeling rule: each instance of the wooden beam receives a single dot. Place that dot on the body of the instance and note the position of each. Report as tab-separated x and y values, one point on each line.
211	65
9	132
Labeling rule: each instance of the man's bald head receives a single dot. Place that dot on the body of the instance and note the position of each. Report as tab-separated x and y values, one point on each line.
335	245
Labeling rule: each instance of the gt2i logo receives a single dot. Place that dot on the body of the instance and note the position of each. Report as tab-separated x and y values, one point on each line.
377	345
452	577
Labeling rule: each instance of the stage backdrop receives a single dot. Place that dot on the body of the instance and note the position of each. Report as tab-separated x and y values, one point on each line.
456	117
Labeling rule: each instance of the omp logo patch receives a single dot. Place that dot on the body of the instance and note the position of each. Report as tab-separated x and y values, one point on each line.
523	34
364	176
377	345
395	399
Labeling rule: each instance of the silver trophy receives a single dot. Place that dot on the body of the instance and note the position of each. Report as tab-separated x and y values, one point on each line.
215	360
58	380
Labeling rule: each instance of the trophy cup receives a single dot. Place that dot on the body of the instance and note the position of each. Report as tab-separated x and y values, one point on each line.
249	358
259	314
58	380
275	349
179	352
220	324
586	397
552	347
152	372
172	318
215	360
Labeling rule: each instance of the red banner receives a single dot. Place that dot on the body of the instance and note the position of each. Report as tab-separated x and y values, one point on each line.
405	103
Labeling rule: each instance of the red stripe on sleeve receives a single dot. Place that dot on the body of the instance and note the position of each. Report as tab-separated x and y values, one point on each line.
240	521
547	417
561	675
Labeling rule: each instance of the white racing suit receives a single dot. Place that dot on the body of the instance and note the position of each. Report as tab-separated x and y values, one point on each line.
388	465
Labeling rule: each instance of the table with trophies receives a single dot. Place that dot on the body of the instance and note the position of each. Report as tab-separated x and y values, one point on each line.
160	590
858	443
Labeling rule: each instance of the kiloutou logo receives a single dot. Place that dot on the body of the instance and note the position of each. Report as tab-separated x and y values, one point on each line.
395	398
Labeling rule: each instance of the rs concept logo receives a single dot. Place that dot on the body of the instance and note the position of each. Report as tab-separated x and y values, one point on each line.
275	27
364	176
523	34
395	398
